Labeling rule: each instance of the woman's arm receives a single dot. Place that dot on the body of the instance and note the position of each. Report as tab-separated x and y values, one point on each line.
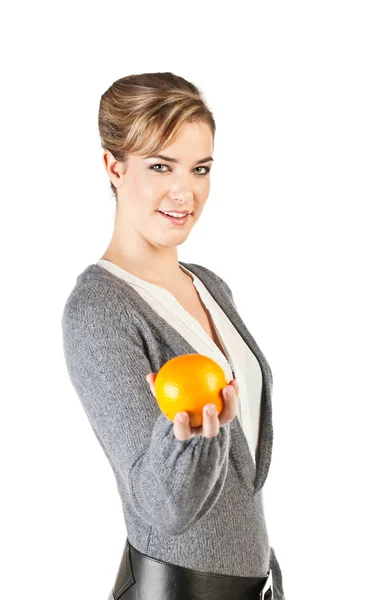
171	483
278	591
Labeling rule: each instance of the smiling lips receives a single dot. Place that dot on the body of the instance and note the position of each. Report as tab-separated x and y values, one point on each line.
175	220
177	212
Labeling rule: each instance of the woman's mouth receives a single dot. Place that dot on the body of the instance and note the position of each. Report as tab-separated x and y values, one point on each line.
175	220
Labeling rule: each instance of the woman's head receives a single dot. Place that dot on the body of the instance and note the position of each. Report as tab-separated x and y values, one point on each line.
147	115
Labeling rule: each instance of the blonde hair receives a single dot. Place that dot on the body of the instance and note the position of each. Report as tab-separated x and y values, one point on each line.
141	113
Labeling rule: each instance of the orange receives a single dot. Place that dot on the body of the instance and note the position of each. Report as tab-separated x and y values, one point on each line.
187	383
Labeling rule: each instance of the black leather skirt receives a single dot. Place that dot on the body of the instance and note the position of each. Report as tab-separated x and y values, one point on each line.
146	578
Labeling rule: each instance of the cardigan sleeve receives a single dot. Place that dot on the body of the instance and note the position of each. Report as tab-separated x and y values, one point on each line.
278	592
170	483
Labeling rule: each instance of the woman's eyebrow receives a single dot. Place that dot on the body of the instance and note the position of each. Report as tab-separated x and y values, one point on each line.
174	160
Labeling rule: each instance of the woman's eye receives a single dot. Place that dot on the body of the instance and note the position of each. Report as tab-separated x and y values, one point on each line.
161	165
207	170
153	167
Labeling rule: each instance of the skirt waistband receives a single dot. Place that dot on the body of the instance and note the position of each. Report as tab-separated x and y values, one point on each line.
147	578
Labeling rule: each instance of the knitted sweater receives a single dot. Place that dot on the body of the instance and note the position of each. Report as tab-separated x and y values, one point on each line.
196	503
236	360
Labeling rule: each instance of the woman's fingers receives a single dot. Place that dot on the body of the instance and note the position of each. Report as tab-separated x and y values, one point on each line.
234	382
210	423
230	398
151	378
182	430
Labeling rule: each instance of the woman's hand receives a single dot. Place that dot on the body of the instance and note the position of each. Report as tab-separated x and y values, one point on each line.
210	423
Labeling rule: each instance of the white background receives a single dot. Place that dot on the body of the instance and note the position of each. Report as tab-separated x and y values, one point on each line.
285	225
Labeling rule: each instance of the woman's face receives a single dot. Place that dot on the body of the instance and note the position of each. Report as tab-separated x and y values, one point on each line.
150	184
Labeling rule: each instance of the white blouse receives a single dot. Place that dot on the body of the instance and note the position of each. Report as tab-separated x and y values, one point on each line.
242	364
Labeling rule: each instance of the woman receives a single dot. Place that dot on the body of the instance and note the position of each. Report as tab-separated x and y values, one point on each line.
191	497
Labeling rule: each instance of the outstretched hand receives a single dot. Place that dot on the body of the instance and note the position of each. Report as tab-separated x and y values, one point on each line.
210	423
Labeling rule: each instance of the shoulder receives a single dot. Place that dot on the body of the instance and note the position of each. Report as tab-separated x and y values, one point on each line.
96	302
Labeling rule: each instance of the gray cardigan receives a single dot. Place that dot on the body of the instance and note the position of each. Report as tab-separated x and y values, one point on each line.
196	503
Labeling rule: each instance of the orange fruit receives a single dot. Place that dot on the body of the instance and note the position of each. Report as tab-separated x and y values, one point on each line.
187	383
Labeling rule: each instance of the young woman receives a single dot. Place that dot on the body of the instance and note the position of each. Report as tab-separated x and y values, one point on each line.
191	497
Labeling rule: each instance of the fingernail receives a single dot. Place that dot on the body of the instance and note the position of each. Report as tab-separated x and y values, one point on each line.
227	393
210	409
181	418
